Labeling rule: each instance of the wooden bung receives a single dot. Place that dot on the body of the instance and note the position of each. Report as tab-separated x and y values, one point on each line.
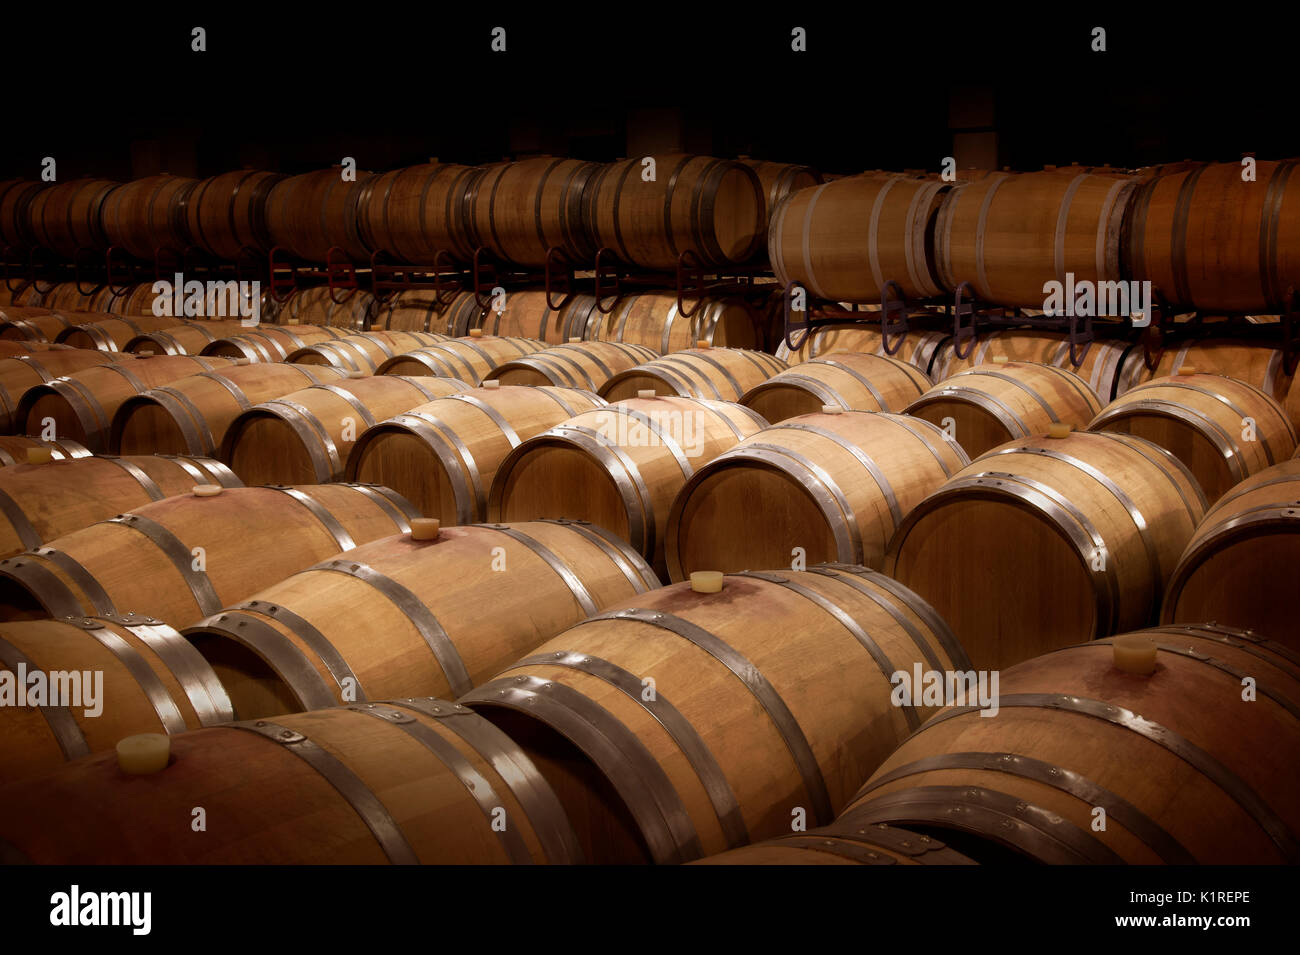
1134	654
1059	430
207	490
143	753
425	528
706	581
39	455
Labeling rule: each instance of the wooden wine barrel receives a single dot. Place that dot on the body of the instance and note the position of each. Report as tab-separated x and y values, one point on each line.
1187	771
780	179
39	502
1241	567
443	455
769	696
69	297
413	213
270	342
1165	169
575	364
1008	235
878	844
1255	363
404	617
222	300
308	215
995	403
32	324
1046	541
111	332
146	559
225	215
364	352
1224	430
14	449
469	359
819	487
844	240
10	348
21	372
82	405
402	781
519	210
322	306
147	215
187	339
190	415
418	310
66	216
711	207
1207	240
527	315
918	348
305	437
654	320
1102	365
619	467
723	373
139	674
22	293
15	225
852	381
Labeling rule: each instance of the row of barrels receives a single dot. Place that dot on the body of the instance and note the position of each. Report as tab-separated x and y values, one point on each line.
771	703
676	475
648	210
1207	236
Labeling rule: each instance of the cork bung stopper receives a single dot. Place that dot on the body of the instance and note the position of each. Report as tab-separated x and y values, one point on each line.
1134	654
645	393
143	753
492	383
706	581
425	529
39	455
207	490
1059	430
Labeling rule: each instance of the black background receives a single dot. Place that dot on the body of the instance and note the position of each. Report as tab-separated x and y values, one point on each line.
297	87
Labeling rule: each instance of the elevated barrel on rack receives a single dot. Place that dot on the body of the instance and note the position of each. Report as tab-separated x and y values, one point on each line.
364	352
1242	566
189	338
527	315
185	557
443	455
1224	430
713	208
270	342
147	215
42	501
877	844
1185	768
1009	235
845	239
402	617
66	216
780	179
619	467
135	675
15	225
16	448
853	381
726	374
770	695
312	213
305	437
225	215
575	364
191	414
399	781
112	332
1001	401
653	319
1209	240
322	305
819	487
1103	363
1045	540
470	359
82	405
418	310
18	373
412	214
517	211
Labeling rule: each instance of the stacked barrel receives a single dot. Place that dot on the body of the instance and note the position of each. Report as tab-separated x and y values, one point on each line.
417	581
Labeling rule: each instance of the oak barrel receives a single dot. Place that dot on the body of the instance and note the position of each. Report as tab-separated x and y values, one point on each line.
225	215
363	352
412	214
575	364
519	210
470	359
854	381
307	215
147	215
66	217
723	373
526	314
14	449
270	342
418	310
18	373
877	844
654	320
